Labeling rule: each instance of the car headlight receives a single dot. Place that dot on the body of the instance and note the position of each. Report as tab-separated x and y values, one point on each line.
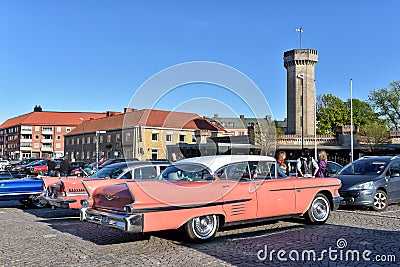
366	185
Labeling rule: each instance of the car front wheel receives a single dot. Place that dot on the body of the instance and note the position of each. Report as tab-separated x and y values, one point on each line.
380	201
202	228
319	210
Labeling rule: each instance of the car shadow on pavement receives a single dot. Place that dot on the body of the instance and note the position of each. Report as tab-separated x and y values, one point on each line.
306	245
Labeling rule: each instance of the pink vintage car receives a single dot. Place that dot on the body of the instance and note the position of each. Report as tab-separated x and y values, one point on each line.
67	192
204	194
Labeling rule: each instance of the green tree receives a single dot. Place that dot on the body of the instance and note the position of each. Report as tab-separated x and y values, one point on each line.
331	112
387	102
373	135
363	113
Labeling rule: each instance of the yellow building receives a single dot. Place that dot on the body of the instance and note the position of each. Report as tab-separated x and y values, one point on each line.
141	134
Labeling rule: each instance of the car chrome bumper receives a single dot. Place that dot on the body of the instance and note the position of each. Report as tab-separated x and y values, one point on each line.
59	203
336	202
132	223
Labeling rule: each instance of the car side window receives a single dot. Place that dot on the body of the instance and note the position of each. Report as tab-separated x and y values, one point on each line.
127	175
148	172
262	170
236	171
394	168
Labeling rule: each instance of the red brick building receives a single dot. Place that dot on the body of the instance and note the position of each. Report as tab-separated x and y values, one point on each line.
39	133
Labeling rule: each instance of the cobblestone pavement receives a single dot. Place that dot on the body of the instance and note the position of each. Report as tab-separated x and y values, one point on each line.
46	237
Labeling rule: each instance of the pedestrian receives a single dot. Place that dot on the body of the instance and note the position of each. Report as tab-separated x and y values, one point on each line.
281	162
322	164
51	167
306	165
64	167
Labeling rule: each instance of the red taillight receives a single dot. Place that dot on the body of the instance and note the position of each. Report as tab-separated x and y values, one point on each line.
62	188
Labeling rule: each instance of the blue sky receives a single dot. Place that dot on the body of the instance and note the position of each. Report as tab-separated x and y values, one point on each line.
92	55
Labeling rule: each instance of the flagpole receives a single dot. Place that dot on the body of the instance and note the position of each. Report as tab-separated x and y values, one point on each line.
300	30
351	120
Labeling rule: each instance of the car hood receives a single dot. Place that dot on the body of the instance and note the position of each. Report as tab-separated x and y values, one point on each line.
350	180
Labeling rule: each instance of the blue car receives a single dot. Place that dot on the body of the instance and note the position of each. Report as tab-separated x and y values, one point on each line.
26	190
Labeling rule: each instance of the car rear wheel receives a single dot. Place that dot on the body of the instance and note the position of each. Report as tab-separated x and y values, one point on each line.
202	228
319	210
380	201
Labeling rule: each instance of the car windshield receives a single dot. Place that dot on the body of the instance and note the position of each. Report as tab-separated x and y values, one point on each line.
107	172
186	173
364	167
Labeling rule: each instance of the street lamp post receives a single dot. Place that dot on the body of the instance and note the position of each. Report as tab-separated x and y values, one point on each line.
83	138
301	77
97	147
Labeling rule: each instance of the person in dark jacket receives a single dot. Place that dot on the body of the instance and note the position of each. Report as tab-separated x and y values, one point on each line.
64	167
51	167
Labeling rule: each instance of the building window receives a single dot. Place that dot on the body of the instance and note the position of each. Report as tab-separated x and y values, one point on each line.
168	137
47	129
109	138
117	137
77	141
182	138
101	139
154	136
37	128
88	140
88	155
58	129
36	145
58	145
154	154
128	137
72	141
58	137
68	129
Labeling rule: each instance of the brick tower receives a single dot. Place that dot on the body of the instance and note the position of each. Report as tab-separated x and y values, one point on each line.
300	65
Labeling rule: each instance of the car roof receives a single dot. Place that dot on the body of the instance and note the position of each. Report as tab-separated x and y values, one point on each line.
137	164
218	161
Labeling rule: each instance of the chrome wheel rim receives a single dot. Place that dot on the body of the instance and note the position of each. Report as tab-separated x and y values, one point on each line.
204	226
320	209
380	201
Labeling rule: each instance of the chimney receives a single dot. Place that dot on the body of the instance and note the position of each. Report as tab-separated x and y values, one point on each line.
37	109
127	110
215	115
241	117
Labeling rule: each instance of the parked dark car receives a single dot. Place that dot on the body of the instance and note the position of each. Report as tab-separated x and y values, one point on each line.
20	165
371	182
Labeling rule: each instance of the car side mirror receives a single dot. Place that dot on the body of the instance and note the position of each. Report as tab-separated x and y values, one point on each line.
395	174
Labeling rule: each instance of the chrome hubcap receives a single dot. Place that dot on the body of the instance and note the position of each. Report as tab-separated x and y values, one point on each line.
204	226
320	209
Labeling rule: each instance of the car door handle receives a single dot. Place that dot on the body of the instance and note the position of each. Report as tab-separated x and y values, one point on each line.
298	190
225	186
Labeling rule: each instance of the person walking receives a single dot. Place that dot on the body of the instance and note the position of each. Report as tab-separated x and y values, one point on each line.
322	164
64	167
51	167
306	165
281	162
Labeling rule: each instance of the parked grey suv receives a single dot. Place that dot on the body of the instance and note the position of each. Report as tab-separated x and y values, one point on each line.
371	182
